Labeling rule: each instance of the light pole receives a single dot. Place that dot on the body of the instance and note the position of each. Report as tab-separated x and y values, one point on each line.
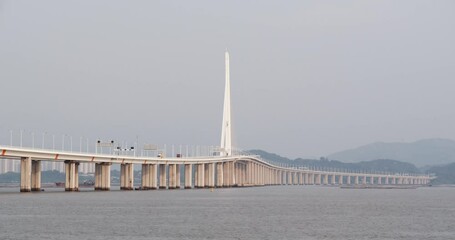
22	131
53	142
33	140
71	143
42	141
63	142
11	138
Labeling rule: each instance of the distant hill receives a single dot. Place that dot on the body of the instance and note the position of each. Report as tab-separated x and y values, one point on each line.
445	173
420	153
380	165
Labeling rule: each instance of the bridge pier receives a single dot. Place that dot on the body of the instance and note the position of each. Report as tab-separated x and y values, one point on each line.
188	176
206	175
36	176
145	177
126	176
340	180
326	179
177	176
333	179
219	175
103	176
163	176
172	176
71	176
26	172
226	174
199	175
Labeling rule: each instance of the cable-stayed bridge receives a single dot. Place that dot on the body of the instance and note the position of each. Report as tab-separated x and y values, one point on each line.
224	167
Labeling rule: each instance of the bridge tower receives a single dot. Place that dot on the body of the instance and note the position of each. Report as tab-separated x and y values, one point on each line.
226	144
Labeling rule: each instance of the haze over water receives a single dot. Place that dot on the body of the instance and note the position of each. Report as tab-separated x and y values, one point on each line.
284	212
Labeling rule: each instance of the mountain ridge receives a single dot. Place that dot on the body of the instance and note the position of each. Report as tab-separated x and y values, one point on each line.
434	151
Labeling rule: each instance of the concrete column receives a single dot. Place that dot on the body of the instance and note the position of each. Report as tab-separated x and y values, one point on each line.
36	176
211	175
163	176
145	177
71	176
386	180
371	180
226	182
26	174
348	180
172	176
364	181
333	179
97	176
200	175
340	179
188	176
232	174
318	179
219	175
177	176
126	176
326	179
103	176
356	180
153	176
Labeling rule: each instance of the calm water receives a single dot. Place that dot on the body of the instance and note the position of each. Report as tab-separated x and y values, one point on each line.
292	212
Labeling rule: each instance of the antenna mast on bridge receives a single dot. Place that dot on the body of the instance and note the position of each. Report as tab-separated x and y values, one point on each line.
226	144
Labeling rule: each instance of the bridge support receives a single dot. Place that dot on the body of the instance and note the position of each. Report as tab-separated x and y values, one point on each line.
71	176
26	172
102	176
210	175
126	176
177	176
163	176
172	176
36	176
348	179
340	179
188	176
199	175
219	175
226	174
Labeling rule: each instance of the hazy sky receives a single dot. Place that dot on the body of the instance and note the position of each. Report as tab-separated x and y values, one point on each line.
308	78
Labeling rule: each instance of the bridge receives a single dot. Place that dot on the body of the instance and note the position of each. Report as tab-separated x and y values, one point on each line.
226	168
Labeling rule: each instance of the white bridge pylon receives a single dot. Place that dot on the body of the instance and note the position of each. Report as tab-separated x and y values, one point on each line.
226	131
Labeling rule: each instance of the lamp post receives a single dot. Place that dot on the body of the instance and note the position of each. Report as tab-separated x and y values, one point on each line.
22	131
42	140
33	140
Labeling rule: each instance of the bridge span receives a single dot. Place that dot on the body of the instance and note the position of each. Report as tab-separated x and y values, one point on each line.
225	170
198	172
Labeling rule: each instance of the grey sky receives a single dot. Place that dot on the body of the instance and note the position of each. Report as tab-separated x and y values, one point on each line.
308	77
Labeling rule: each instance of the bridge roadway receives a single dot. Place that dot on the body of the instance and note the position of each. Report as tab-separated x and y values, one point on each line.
164	173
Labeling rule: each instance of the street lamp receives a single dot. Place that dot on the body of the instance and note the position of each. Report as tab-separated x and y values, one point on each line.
33	140
22	131
42	141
